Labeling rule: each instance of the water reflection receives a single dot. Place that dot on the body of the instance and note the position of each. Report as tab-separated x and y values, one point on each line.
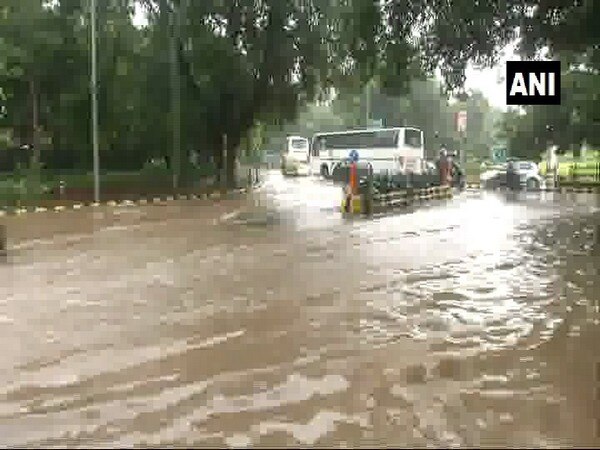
469	322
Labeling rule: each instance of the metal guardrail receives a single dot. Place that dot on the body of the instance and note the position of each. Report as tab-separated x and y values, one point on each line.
584	173
397	191
573	173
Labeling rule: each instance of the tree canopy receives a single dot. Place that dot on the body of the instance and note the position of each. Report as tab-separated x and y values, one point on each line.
575	121
249	62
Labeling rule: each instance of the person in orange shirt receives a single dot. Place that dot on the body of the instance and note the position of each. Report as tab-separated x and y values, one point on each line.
445	167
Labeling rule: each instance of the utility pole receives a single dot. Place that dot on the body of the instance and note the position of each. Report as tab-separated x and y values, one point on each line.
223	168
175	27
463	151
368	109
35	122
462	127
94	89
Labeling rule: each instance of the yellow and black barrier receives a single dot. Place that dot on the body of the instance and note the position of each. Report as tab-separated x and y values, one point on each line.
352	204
562	189
368	204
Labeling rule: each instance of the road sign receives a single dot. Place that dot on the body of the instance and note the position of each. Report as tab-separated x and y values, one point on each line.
353	155
461	121
499	155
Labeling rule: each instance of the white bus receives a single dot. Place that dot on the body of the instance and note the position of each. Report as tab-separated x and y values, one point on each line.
396	149
295	156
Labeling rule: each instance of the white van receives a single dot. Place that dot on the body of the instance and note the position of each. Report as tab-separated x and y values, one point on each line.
295	156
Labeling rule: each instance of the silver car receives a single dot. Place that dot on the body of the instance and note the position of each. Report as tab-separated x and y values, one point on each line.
529	175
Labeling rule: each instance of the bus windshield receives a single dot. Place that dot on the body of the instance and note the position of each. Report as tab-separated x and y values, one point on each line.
298	145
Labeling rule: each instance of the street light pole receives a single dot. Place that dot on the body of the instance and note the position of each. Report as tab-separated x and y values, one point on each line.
175	28
94	89
368	109
462	131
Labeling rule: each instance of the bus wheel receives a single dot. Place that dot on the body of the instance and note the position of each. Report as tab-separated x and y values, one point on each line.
324	171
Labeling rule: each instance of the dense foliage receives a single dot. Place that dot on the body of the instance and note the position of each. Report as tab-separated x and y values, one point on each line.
425	105
575	122
246	63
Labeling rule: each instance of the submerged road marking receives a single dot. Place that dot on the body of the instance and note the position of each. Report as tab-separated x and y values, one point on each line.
228	216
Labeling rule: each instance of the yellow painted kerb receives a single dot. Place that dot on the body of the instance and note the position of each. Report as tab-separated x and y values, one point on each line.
356	206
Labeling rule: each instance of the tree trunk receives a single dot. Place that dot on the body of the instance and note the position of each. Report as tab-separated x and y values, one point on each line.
33	176
35	136
249	144
230	167
218	162
175	96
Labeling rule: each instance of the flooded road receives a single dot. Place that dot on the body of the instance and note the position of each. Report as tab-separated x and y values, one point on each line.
273	321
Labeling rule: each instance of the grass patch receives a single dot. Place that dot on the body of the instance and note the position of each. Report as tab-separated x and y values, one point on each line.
14	190
114	179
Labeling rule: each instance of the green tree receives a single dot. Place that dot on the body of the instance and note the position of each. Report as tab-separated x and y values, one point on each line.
245	62
313	118
426	106
576	119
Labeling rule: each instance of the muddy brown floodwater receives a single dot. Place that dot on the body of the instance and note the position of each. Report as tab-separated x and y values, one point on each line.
272	321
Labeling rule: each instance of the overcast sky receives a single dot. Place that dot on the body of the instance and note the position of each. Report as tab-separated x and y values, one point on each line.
490	81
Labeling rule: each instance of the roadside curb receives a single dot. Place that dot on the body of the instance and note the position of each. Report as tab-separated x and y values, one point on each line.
562	190
217	195
572	189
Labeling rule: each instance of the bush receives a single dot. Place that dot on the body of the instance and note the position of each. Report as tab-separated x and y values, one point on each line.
255	158
155	165
158	168
203	170
155	171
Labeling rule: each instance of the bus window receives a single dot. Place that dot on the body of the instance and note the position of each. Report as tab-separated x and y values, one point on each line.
318	145
357	140
314	150
336	141
412	138
385	139
322	144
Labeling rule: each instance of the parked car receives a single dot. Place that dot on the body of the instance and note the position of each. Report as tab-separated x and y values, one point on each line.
527	173
529	176
493	178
